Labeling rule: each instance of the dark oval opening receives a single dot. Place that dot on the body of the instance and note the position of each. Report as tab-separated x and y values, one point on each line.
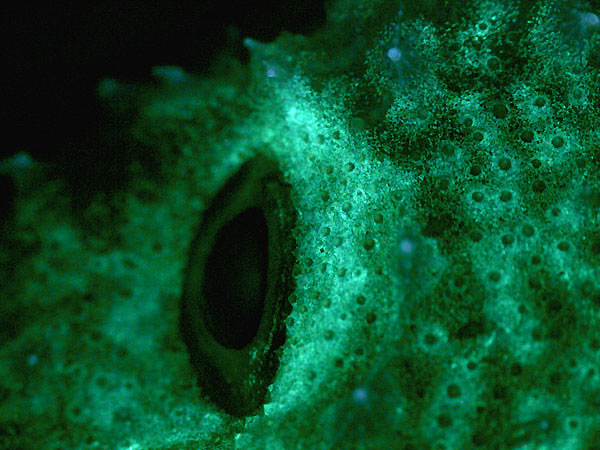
235	279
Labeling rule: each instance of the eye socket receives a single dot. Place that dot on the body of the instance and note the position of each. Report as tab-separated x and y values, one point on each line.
237	282
235	279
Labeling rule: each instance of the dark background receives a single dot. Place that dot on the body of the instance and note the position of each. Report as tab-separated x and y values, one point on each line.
55	54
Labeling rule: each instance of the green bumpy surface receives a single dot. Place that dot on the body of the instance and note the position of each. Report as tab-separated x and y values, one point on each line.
444	165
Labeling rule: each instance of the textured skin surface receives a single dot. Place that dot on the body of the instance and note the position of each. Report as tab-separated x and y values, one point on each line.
448	245
454	267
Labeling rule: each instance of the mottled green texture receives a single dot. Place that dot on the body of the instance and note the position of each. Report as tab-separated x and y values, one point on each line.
448	245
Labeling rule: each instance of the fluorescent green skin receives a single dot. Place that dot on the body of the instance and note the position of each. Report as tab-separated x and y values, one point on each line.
447	242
